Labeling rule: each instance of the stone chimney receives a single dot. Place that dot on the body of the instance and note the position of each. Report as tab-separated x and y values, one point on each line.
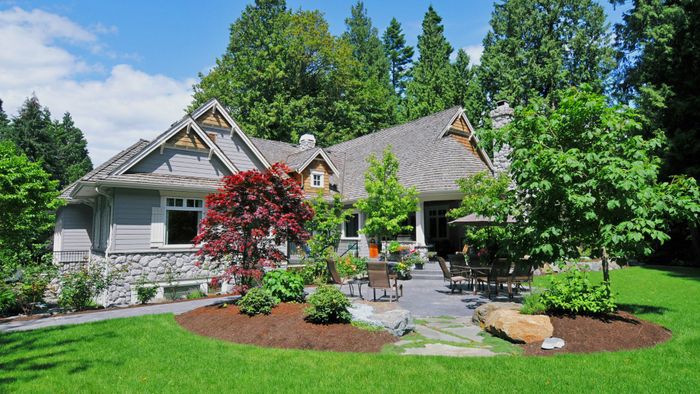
501	116
307	141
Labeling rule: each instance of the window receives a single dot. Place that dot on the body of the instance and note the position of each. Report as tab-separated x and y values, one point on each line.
409	234
182	217
316	179
437	223
352	226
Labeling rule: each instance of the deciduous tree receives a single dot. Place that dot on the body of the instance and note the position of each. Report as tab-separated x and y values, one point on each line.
587	178
388	203
251	215
325	226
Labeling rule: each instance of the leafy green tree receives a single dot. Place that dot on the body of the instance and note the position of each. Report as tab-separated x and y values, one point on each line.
28	202
492	197
72	150
537	47
586	177
431	88
399	55
468	91
325	227
284	74
659	70
388	203
373	73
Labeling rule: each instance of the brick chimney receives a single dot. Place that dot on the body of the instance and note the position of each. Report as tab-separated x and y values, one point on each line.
307	141
500	117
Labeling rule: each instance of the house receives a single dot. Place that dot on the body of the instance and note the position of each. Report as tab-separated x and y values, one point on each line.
139	211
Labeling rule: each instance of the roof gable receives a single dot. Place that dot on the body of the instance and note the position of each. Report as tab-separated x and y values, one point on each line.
186	125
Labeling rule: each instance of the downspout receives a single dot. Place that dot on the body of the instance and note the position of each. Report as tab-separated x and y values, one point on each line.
111	218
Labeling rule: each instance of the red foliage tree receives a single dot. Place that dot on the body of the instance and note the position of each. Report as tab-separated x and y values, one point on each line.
248	217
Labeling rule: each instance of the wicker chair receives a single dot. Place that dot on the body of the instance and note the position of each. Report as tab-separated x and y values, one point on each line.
335	277
379	279
454	280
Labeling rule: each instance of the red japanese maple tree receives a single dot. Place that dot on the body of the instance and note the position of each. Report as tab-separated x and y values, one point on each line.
248	218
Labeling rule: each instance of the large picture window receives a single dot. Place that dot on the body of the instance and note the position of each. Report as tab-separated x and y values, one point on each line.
352	226
182	217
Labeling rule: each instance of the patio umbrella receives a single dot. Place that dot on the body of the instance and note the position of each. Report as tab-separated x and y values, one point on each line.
478	220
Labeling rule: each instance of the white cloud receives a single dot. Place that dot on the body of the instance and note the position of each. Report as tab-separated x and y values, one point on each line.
113	111
474	52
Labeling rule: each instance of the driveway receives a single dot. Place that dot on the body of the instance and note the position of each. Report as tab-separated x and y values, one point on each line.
89	317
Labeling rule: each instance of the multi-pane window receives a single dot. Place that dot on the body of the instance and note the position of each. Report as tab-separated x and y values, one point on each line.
182	217
317	179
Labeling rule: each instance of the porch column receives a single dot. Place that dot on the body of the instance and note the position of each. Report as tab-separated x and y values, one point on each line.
420	224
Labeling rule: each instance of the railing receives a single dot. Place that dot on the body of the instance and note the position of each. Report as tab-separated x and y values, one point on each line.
71	260
355	245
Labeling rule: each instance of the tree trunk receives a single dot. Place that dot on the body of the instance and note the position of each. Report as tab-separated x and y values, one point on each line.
604	261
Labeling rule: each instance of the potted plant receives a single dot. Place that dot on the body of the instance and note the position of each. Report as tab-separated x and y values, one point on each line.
415	259
394	249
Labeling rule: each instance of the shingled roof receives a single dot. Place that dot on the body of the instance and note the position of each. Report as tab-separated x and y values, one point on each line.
427	161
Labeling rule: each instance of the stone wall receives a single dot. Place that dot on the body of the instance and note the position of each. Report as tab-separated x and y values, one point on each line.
501	116
158	268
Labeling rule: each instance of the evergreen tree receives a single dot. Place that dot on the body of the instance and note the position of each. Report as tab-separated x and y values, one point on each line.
72	150
537	47
399	54
283	75
32	132
431	88
468	90
373	73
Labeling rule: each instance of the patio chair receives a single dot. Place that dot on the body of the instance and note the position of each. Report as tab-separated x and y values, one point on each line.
379	279
454	280
459	267
522	272
335	277
502	273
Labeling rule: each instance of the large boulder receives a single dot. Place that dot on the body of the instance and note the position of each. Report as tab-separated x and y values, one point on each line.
482	311
396	320
518	328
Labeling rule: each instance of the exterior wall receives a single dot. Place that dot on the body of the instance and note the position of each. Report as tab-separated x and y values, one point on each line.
74	223
181	162
158	268
132	219
235	149
316	166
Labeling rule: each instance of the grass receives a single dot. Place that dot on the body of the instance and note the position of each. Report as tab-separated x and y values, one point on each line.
153	354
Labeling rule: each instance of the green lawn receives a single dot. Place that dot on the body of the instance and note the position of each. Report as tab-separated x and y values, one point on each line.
153	354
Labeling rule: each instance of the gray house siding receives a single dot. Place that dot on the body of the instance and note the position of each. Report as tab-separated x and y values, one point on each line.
76	227
236	150
181	162
132	218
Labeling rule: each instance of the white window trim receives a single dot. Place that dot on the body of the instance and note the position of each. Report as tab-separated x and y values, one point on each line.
166	208
359	227
321	175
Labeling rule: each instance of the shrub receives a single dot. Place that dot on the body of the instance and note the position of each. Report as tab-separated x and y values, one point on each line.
79	288
30	289
285	286
195	294
145	293
257	301
8	300
315	272
328	305
572	292
532	305
350	266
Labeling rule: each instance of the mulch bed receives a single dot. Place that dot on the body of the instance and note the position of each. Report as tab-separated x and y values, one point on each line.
586	334
283	328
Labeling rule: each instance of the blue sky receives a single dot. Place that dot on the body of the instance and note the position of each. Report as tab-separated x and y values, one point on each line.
124	68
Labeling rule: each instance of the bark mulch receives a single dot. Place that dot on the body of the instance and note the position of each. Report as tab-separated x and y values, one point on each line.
285	327
586	334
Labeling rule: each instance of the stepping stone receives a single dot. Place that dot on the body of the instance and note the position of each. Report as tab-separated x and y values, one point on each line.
470	332
437	335
439	349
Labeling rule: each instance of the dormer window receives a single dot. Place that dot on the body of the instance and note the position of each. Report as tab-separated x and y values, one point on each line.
316	179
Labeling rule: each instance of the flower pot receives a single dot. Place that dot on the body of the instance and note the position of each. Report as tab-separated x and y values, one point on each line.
418	266
373	250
